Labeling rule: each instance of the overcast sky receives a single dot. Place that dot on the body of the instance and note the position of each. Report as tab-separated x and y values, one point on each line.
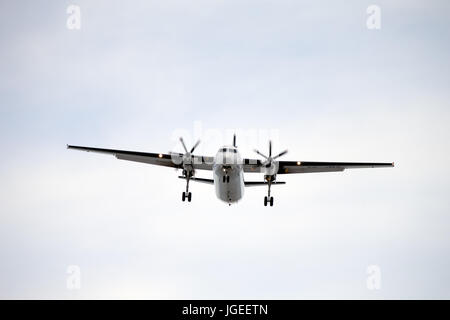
308	74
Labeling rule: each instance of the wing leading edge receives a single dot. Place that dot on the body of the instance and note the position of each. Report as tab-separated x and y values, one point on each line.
173	160
287	167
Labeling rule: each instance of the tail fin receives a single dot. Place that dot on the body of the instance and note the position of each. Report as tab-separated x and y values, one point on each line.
234	140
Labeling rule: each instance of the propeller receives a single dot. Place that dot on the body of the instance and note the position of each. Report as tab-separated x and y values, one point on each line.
187	156
192	149
269	159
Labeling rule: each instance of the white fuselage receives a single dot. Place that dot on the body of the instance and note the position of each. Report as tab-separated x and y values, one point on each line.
228	175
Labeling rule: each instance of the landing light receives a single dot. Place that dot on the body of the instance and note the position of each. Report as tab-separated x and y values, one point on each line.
160	155
299	163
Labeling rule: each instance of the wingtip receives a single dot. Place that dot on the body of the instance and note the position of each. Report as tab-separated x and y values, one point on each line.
393	164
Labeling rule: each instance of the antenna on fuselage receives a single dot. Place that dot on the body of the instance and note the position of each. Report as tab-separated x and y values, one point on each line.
234	140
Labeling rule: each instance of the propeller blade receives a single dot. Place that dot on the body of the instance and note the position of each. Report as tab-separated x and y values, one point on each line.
280	154
234	140
195	146
270	148
184	146
262	155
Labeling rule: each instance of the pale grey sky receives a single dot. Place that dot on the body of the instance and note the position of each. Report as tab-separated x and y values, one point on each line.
139	72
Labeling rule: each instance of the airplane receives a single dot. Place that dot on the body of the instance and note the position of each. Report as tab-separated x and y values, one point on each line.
228	168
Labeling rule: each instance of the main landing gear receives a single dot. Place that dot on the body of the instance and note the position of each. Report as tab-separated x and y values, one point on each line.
268	198
186	195
271	169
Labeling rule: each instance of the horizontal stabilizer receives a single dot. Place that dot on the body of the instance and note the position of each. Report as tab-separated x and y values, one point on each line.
261	183
203	180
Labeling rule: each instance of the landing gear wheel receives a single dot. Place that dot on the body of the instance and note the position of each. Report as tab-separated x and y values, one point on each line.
183	196
271	201
189	196
265	201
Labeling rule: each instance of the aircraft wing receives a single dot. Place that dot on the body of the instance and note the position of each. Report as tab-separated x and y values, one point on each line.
285	167
173	160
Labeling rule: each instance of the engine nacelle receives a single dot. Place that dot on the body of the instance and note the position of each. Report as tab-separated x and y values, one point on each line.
270	169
